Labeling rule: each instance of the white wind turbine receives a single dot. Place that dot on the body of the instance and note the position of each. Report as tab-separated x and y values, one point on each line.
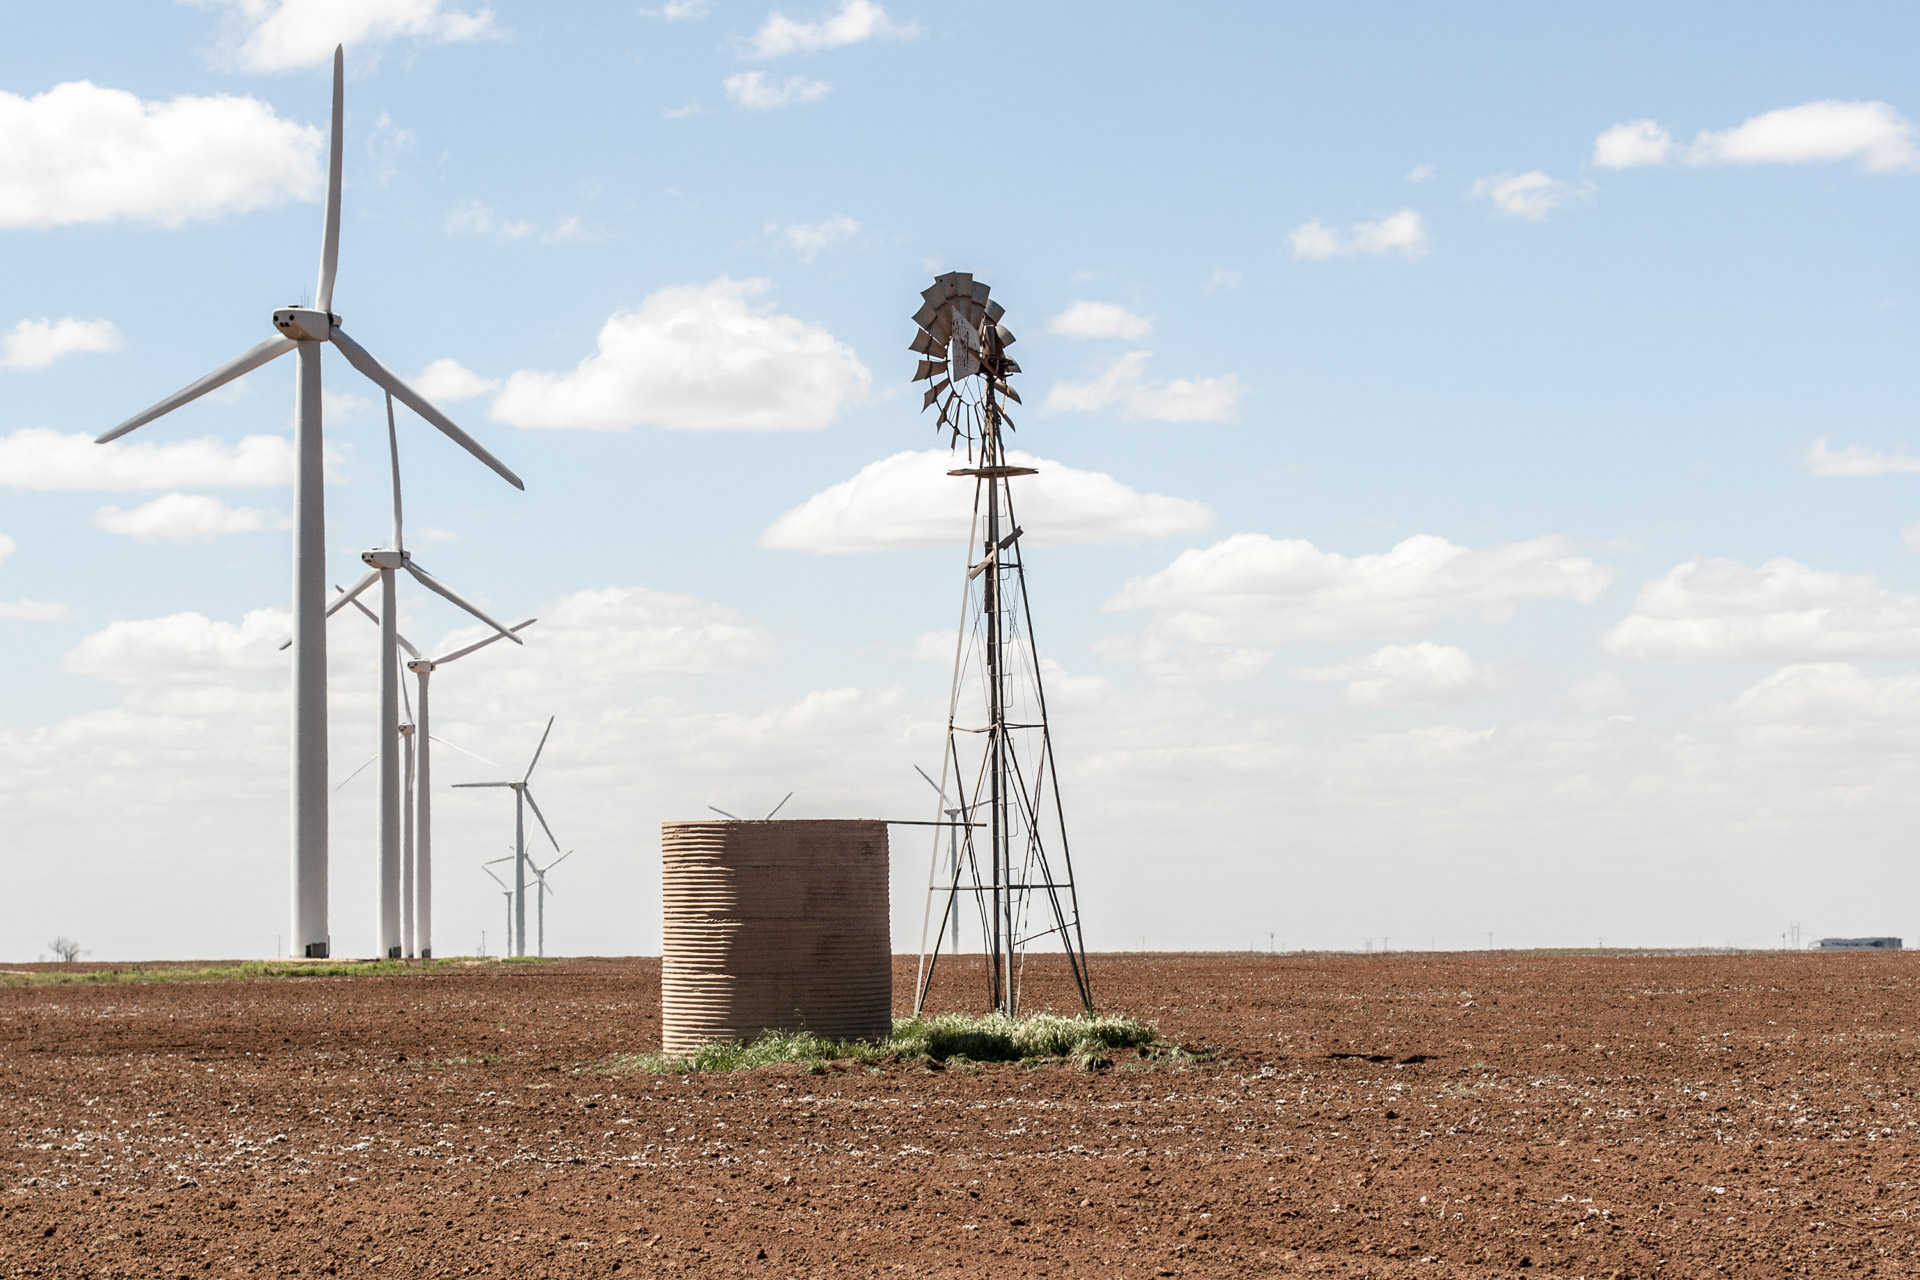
522	800
304	330
540	896
507	946
385	563
417	834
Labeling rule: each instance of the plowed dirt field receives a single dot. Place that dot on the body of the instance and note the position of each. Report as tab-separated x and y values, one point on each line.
1472	1115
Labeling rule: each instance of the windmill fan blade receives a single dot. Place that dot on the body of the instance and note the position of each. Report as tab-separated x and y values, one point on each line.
928	368
362	359
1009	367
933	393
330	232
441	589
537	750
1009	392
924	316
959	284
543	820
278	345
980	291
923	343
1004	334
481	644
994	312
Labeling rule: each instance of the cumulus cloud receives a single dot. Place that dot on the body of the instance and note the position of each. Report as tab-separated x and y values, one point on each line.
855	22
183	517
1814	693
1855	460
448	380
7	547
909	500
79	153
1403	233
695	357
1531	195
1217	608
809	239
1405	675
1421	172
281	35
35	344
757	91
678	10
1099	320
476	219
33	610
1873	134
1709	610
37	458
183	648
1124	383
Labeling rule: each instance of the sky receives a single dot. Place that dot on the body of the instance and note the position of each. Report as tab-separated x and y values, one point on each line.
1479	475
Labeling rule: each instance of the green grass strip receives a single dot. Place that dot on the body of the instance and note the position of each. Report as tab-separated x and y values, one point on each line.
140	974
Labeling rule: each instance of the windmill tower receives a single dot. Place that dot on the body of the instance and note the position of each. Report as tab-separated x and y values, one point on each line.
1013	866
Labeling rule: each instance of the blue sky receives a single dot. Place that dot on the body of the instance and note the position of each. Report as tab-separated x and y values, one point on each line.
1479	494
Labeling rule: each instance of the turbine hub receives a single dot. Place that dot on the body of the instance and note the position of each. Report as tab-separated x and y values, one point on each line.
379	558
304	324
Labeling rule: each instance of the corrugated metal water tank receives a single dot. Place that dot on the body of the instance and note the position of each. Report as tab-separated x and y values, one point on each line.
774	926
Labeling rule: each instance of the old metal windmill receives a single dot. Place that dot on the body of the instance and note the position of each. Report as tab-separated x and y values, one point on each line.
1013	861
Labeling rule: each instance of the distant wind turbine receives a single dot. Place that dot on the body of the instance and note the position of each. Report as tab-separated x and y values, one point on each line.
304	330
522	801
541	891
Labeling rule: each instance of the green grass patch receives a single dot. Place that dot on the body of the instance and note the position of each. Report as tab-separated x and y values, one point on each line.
140	974
948	1038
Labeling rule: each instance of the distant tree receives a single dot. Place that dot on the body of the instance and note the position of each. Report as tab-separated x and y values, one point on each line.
66	950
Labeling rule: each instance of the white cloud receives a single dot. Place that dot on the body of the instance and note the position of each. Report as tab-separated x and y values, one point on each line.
695	357
183	648
1099	320
37	458
1815	693
1910	534
678	10
909	500
690	108
1601	693
1421	172
1226	602
474	218
1855	460
7	547
280	35
446	381
855	22
756	91
1531	195
1124	383
33	610
183	517
1630	145
79	153
1872	133
35	344
386	144
809	239
1222	278
1403	233
1405	675
1709	610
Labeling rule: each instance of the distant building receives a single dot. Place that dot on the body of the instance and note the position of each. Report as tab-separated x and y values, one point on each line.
1858	944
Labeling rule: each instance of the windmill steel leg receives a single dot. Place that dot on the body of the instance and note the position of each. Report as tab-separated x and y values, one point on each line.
423	831
387	823
519	872
406	848
308	817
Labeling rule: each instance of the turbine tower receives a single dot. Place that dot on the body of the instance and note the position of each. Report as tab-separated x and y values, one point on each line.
522	801
1025	890
304	330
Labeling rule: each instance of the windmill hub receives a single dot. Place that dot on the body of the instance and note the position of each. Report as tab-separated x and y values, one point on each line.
383	559
303	324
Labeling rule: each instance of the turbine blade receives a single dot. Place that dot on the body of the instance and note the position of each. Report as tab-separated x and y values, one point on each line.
722	812
543	819
393	453
346	597
356	773
496	879
494	862
462	750
362	359
557	861
361	605
930	782
481	644
777	808
408	649
459	785
330	231
278	345
440	588
537	750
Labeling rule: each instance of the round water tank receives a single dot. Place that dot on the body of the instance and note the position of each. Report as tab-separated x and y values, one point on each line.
774	926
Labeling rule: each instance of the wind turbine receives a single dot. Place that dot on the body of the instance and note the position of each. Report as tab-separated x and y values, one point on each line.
953	855
522	800
509	896
384	564
417	836
540	897
304	330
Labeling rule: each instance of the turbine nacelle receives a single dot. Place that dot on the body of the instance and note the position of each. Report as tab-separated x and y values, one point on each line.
304	324
382	558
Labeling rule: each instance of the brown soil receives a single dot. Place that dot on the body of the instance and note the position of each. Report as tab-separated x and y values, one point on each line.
1412	1116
